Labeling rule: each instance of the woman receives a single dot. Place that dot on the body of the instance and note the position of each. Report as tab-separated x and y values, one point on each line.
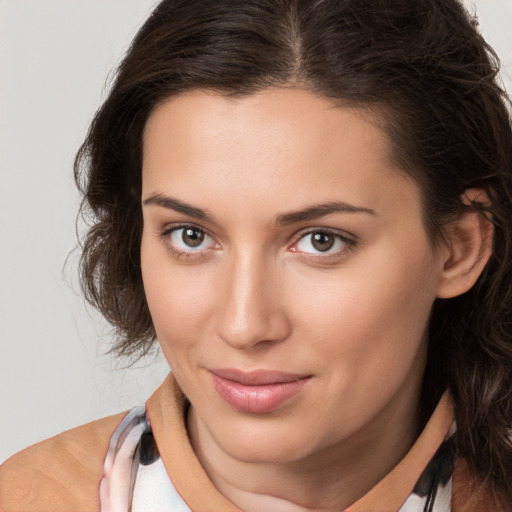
309	205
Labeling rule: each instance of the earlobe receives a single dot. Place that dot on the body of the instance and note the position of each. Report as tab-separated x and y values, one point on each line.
469	240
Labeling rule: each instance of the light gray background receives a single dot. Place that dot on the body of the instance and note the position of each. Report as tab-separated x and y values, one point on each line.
55	56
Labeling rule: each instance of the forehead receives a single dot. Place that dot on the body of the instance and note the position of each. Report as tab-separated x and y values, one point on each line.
272	114
282	145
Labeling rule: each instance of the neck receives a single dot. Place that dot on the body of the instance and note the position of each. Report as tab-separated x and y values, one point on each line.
329	479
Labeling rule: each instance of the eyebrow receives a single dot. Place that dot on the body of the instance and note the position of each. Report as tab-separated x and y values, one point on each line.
172	203
320	210
305	214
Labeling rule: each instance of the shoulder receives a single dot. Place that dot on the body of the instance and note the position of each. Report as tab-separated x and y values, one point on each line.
61	473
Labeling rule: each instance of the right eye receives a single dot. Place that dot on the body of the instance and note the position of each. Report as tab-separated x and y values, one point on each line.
188	240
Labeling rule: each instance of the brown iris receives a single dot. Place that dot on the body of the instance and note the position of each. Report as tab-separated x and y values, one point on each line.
322	241
192	237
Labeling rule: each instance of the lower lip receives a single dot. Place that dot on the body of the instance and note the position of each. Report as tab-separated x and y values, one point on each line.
256	399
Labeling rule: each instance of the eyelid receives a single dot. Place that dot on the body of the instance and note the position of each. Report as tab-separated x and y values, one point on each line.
348	239
169	229
182	225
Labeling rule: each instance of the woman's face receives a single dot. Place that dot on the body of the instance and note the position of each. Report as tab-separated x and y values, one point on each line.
287	270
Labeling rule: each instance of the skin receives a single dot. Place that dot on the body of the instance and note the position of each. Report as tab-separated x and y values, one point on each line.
257	294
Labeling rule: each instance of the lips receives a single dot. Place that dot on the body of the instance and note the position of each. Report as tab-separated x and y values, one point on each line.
258	391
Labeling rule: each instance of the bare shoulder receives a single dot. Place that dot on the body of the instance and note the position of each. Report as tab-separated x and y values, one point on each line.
60	473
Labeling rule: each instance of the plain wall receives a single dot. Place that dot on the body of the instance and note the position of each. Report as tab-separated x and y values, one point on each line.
55	56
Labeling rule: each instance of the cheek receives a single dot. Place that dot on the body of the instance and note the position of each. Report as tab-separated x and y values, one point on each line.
368	330
372	316
179	298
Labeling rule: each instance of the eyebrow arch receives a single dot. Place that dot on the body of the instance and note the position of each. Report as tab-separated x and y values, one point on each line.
319	210
172	203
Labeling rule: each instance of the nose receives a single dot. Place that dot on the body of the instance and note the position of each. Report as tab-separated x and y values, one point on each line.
251	311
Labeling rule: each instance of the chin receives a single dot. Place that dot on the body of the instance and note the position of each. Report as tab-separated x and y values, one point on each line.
265	445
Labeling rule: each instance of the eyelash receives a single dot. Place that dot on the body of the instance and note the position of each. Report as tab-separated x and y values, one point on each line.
183	254
348	243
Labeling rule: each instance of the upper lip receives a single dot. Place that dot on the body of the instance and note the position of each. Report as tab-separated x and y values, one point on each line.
257	377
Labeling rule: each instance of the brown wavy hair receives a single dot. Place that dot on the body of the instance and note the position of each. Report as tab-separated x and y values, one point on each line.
424	66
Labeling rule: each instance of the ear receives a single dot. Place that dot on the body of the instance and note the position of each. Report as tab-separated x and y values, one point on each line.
468	244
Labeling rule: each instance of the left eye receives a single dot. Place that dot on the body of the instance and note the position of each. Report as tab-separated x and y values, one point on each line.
321	242
189	239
